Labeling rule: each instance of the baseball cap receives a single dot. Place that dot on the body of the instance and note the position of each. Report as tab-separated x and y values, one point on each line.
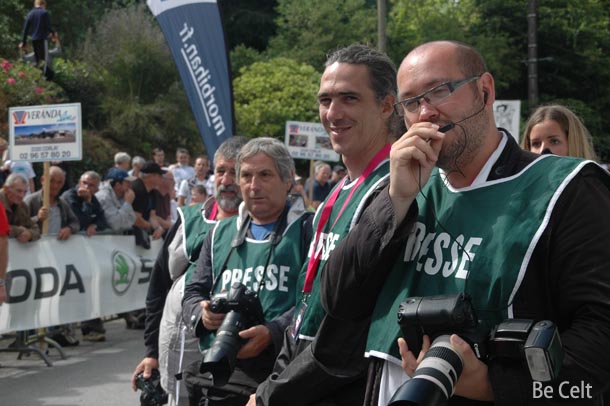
119	174
152	167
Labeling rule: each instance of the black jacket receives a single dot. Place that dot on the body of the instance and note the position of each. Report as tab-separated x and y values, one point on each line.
567	281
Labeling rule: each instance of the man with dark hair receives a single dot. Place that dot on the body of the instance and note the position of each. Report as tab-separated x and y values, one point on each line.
263	249
38	21
444	225
356	97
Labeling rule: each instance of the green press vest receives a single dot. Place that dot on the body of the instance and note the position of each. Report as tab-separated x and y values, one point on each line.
247	262
482	246
330	238
195	227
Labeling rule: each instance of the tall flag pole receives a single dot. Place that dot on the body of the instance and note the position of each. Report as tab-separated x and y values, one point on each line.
193	30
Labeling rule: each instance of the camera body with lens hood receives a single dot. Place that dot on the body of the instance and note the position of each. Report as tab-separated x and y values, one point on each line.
513	340
441	315
243	310
152	392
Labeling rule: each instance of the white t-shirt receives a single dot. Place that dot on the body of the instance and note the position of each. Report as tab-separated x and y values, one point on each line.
181	173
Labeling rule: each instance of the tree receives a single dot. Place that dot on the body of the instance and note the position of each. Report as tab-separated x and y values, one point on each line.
267	94
414	22
129	50
308	30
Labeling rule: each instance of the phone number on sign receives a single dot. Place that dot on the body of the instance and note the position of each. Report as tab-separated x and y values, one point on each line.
28	156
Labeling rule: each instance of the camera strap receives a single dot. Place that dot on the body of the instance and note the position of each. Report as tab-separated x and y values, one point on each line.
314	259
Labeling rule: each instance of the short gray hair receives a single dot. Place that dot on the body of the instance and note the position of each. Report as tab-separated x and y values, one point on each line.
230	148
274	149
15	177
121	157
92	175
138	161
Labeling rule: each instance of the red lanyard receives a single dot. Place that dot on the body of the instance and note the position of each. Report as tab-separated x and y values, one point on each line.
314	259
214	211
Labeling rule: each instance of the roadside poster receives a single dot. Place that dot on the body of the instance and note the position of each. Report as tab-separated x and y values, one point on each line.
45	133
309	141
507	114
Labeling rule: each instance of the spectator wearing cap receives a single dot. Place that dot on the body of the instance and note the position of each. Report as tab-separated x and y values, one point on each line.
81	199
338	174
149	179
321	186
116	198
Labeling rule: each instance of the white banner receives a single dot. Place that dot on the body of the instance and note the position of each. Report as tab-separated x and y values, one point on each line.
51	282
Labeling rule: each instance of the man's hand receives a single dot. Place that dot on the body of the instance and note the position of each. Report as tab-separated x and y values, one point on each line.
258	338
91	230
211	321
252	400
84	194
158	233
64	233
412	159
473	383
43	213
146	365
22	46
25	235
129	196
409	362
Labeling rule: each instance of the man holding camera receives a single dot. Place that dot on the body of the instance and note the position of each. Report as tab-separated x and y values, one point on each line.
177	258
260	251
540	254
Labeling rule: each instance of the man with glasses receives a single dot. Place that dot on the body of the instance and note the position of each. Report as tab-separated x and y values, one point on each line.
17	212
467	210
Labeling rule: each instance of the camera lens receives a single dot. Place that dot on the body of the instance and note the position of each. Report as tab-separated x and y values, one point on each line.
220	358
434	379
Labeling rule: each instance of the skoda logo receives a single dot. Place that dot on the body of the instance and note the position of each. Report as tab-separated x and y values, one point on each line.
123	271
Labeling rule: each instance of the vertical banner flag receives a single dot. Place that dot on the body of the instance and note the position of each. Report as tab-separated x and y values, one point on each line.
194	34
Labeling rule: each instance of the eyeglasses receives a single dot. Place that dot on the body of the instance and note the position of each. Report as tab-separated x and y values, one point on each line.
432	96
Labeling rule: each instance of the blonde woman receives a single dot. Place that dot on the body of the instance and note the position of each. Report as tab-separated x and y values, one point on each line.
556	129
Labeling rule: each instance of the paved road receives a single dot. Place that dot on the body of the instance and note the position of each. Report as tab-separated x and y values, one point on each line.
94	374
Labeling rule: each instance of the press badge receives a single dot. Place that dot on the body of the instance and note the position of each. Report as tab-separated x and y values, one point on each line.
297	319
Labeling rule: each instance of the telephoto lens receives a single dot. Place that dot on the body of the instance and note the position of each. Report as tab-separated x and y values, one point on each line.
220	358
434	379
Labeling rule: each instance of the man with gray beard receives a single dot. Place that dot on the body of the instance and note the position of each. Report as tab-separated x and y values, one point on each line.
181	249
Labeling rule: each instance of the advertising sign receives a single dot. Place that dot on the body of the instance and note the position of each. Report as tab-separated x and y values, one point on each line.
45	133
309	141
507	114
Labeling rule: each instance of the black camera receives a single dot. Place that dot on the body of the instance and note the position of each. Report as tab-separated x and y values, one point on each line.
437	316
152	392
243	310
523	340
434	380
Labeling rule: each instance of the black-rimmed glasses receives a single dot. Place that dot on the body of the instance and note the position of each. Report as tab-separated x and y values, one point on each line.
432	96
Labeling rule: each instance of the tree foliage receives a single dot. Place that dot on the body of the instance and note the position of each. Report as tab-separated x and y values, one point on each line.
308	30
267	94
